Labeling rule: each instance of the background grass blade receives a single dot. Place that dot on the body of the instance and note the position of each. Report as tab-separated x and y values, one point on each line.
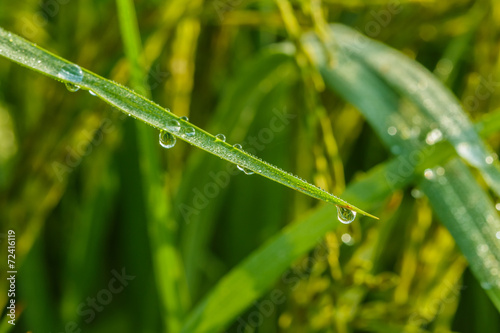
302	236
168	267
376	92
437	103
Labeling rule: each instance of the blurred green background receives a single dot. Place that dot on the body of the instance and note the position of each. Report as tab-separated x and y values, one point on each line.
91	194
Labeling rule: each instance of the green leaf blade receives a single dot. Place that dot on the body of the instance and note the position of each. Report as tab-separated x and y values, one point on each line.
17	49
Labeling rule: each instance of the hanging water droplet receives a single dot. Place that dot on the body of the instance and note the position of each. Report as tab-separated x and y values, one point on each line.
220	137
92	93
184	118
345	215
188	131
72	73
245	170
167	140
237	146
173	125
71	87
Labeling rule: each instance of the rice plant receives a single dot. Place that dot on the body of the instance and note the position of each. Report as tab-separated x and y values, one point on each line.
144	147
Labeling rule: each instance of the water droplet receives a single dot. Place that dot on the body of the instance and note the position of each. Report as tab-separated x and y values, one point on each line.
173	125
92	93
440	171
237	146
71	73
220	137
71	87
429	174
497	235
184	118
497	206
345	215
245	170
167	140
392	130
188	131
346	239
433	136
489	159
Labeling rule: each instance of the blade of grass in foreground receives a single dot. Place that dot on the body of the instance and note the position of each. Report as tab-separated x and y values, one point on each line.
27	54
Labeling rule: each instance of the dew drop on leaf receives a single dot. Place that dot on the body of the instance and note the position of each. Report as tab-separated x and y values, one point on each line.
220	137
188	131
184	118
167	140
72	73
173	125
345	215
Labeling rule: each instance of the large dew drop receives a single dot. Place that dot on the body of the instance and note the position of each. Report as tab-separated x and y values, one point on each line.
167	140
220	137
173	125
345	215
188	131
71	73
